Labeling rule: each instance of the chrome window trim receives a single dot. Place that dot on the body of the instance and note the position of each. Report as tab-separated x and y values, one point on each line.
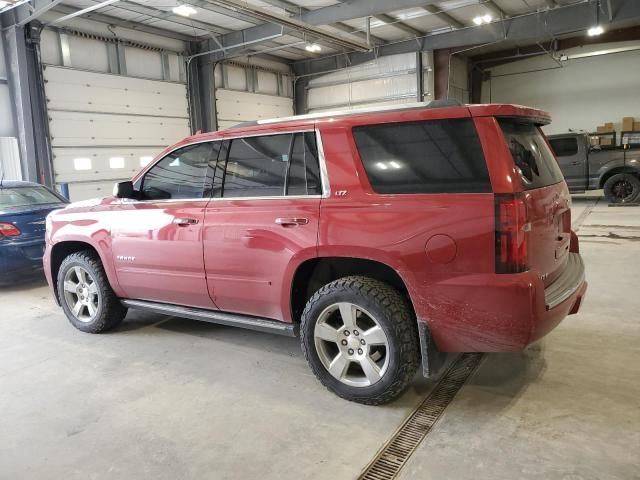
324	176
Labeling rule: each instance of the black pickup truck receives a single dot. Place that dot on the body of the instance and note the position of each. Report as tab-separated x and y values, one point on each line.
616	170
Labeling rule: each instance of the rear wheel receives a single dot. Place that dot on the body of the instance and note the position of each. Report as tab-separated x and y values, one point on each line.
622	188
85	294
360	339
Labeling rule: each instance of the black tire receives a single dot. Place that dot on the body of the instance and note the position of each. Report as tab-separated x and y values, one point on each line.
110	312
622	188
393	314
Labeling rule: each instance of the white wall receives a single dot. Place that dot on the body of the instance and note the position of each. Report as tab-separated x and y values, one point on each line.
580	95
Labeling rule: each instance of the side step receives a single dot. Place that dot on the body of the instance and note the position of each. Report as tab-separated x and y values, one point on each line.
212	316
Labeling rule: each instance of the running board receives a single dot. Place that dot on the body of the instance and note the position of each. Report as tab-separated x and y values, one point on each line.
212	316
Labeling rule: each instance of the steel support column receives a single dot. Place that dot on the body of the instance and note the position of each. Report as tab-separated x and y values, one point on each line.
441	73
24	75
201	90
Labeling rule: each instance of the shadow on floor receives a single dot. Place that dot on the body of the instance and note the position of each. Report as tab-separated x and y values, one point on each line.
23	282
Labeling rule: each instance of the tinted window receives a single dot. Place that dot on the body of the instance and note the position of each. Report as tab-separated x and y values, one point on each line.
181	174
25	196
304	169
257	166
531	154
423	157
564	147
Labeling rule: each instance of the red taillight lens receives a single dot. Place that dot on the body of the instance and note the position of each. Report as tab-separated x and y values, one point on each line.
512	234
9	230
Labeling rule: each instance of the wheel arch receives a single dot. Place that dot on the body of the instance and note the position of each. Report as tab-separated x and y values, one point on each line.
607	174
62	249
313	273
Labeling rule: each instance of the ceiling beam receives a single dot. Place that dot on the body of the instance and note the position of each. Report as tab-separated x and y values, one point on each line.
40	8
322	16
294	9
551	3
388	19
532	27
442	15
497	11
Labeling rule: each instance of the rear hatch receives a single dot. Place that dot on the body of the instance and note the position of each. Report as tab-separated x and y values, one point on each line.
546	196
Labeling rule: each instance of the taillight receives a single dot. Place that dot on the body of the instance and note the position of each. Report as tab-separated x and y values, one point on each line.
9	230
512	234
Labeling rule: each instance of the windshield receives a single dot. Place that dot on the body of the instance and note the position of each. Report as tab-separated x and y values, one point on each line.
25	196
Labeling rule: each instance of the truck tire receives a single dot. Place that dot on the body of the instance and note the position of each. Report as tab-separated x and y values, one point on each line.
86	295
360	339
622	188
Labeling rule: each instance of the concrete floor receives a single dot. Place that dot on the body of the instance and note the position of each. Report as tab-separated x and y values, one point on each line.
174	399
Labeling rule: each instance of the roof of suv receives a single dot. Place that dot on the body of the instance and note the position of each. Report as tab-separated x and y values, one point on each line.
453	107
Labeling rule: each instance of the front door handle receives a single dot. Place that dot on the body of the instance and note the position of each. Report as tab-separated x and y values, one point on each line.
291	222
183	222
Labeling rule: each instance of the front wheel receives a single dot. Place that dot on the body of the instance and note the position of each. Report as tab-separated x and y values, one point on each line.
86	295
359	336
622	188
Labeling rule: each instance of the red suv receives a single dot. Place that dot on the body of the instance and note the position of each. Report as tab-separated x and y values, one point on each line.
383	238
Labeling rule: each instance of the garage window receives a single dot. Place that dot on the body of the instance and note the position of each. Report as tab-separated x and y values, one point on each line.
184	173
433	156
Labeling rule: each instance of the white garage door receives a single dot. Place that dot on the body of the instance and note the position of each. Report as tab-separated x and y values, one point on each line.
385	81
246	93
104	127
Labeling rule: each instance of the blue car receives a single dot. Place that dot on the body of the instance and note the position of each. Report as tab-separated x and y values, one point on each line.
23	210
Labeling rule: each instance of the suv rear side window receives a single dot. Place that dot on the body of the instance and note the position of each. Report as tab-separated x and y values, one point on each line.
564	147
432	156
531	154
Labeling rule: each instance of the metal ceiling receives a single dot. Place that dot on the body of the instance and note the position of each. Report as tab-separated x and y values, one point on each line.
283	28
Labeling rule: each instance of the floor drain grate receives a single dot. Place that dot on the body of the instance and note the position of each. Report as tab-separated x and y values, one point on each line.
395	453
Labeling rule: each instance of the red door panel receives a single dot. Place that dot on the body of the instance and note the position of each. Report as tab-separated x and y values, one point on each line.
251	248
157	252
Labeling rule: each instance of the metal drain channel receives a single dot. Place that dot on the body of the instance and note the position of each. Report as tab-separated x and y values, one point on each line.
395	453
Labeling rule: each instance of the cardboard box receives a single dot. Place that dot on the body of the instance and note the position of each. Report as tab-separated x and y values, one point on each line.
636	126
606	141
609	128
627	124
601	129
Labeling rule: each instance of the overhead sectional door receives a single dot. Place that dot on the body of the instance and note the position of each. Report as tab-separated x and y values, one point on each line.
381	82
105	127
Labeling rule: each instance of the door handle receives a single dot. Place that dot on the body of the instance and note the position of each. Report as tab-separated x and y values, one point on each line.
575	163
291	222
183	222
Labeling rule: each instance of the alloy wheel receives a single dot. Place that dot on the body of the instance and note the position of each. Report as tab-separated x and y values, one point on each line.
81	294
351	344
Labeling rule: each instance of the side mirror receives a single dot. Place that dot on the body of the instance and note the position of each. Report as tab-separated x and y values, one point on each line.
123	190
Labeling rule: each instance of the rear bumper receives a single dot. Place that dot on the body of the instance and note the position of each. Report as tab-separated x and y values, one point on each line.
499	313
20	258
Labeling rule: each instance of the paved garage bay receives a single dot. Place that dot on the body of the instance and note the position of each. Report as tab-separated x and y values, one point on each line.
166	398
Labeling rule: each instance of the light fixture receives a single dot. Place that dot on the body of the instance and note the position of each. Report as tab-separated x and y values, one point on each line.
394	164
313	47
480	19
595	31
184	10
381	166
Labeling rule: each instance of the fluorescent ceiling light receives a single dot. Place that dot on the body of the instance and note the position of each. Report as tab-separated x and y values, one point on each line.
595	31
480	19
313	47
184	10
381	166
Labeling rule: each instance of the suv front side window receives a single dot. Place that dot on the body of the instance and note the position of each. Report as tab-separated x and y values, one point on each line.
272	166
184	173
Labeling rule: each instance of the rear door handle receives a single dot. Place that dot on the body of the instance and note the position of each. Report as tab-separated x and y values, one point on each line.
575	163
291	222
183	222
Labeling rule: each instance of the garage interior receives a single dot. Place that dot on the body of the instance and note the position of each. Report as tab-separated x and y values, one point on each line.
92	90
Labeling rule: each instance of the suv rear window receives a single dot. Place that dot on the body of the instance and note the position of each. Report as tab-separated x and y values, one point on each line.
433	156
531	154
